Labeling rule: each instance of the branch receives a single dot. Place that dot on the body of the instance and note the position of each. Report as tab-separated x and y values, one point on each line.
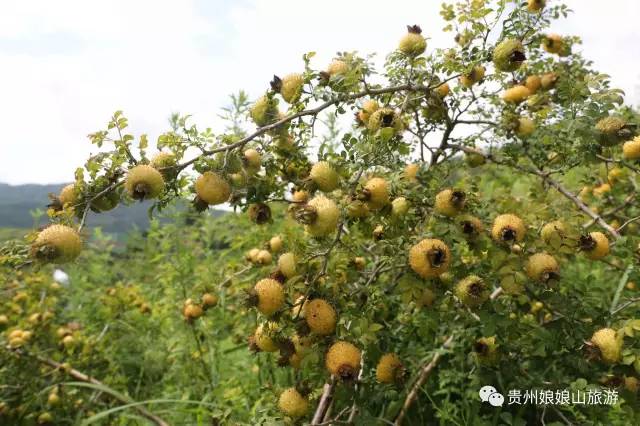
422	378
324	402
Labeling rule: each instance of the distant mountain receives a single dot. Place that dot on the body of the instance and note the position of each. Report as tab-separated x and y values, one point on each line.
16	203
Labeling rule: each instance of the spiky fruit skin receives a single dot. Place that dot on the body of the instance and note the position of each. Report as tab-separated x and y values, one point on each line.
548	81
384	118
600	190
293	404
553	230
252	255
357	209
542	267
377	190
327	215
472	291
443	90
430	258
508	55
68	195
609	344
471	226
324	176
212	188
320	316
449	202
252	159
368	107
144	182
164	160
57	244
337	67
631	149
399	207
526	127
264	111
275	244
209	300
389	368
262	339
476	74
411	171
609	129
631	384
508	228
595	245
533	83
343	360
291	87
412	44
264	257
474	159
287	264
516	94
270	296
553	43
535	5
485	350
192	311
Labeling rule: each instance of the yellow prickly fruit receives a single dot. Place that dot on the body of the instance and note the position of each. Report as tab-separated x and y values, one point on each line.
533	83
535	5
287	264
337	67
291	88
553	43
162	160
516	94
368	107
324	176
293	404
411	171
542	267
212	188
262	339
609	343
553	230
275	244
548	80
252	255
320	216
595	245
68	195
389	369
264	111
631	384
471	226
476	74
472	291
252	159
631	149
450	202
602	189
384	118
412	43
57	244
612	130
343	360
508	228
399	207
426	298
270	296
209	300
320	316
376	192
144	182
508	55
357	209
443	90
526	126
264	257
192	310
486	350
430	258
474	159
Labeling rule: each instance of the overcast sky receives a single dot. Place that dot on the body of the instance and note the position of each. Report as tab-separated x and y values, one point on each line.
66	65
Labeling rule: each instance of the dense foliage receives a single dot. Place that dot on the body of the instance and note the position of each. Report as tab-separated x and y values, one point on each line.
475	225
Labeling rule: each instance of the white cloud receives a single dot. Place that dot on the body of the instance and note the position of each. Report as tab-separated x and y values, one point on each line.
66	66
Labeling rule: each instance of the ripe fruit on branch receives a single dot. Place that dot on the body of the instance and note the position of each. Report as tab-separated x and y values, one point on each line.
508	228
275	244
474	159
390	369
613	130
535	5
509	55
263	257
472	291
357	209
384	118
399	207
57	244
212	188
630	149
543	267
375	193
368	107
533	83
486	350
343	360
68	195
412	43
191	310
548	81
267	296
443	90
290	86
608	343
144	182
525	127
411	171
165	162
262	340
450	202
471	226
595	245
320	316
553	231
430	258
264	111
516	94
474	76
320	216
252	160
324	176
293	404
553	43
337	67
209	300
259	213
287	264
